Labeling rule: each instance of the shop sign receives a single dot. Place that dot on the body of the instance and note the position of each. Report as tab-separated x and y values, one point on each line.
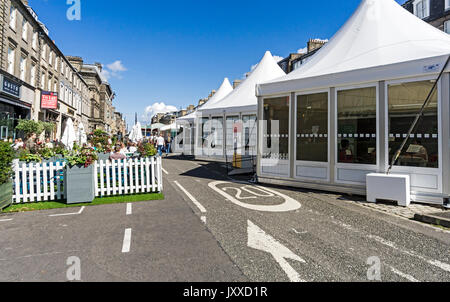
10	87
49	100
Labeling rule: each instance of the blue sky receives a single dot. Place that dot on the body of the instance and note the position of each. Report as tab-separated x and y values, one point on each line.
176	52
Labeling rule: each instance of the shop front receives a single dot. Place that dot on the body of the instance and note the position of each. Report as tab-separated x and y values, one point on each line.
12	108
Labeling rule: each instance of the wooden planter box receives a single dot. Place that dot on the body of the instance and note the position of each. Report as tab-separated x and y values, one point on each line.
79	184
6	193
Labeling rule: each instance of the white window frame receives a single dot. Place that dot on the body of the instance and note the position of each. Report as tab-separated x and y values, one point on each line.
50	57
417	170
33	75
313	164
23	67
447	26
43	80
13	17
355	166
25	30
447	4
11	59
34	41
427	8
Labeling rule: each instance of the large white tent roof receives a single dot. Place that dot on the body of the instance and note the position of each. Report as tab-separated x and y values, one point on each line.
379	33
243	98
222	92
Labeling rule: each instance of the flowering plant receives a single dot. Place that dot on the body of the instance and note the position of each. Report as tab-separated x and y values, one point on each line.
81	156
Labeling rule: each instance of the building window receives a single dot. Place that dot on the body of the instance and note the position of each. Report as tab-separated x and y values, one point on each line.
56	63
11	59
35	38
44	51
55	86
312	127
405	101
23	68
422	8
25	30
357	126
43	80
13	17
50	58
447	26
49	84
276	128
33	74
447	4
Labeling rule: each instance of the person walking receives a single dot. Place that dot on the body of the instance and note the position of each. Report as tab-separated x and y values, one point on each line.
168	144
160	144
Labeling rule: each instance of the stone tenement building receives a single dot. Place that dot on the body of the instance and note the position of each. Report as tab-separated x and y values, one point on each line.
31	64
435	12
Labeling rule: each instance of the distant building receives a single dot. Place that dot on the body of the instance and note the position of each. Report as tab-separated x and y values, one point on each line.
295	60
434	12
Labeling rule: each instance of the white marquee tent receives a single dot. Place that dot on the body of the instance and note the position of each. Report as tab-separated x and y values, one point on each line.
69	136
188	121
383	52
215	120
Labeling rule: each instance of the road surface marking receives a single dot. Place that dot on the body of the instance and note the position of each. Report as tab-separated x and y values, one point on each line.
68	214
126	241
406	276
259	240
288	205
192	198
165	171
203	218
442	265
5	220
129	210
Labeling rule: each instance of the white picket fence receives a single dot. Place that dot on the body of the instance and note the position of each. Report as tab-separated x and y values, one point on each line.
121	177
34	182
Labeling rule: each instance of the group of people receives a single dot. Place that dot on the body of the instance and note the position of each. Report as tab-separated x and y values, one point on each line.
31	143
162	144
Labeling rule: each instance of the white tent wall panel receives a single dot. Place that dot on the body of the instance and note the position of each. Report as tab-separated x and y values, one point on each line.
429	185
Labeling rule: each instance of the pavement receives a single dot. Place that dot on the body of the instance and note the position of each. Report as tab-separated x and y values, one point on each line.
213	228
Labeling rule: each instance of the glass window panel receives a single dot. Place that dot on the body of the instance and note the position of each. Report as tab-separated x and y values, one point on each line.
357	126
230	133
217	131
312	127
204	132
276	128
405	101
250	134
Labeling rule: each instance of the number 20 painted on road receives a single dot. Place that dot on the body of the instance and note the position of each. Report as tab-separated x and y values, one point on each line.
288	205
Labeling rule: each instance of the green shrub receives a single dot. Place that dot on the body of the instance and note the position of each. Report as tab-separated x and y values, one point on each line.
82	156
29	126
147	150
6	158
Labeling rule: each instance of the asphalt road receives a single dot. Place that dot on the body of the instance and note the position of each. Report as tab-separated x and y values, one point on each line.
317	236
210	228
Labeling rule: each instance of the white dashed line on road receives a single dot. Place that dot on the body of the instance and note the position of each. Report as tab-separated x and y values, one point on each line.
68	214
192	198
126	241
129	209
167	173
203	218
5	220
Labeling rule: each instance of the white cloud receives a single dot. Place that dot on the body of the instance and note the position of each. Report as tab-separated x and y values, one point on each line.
117	66
278	58
151	110
113	70
302	50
